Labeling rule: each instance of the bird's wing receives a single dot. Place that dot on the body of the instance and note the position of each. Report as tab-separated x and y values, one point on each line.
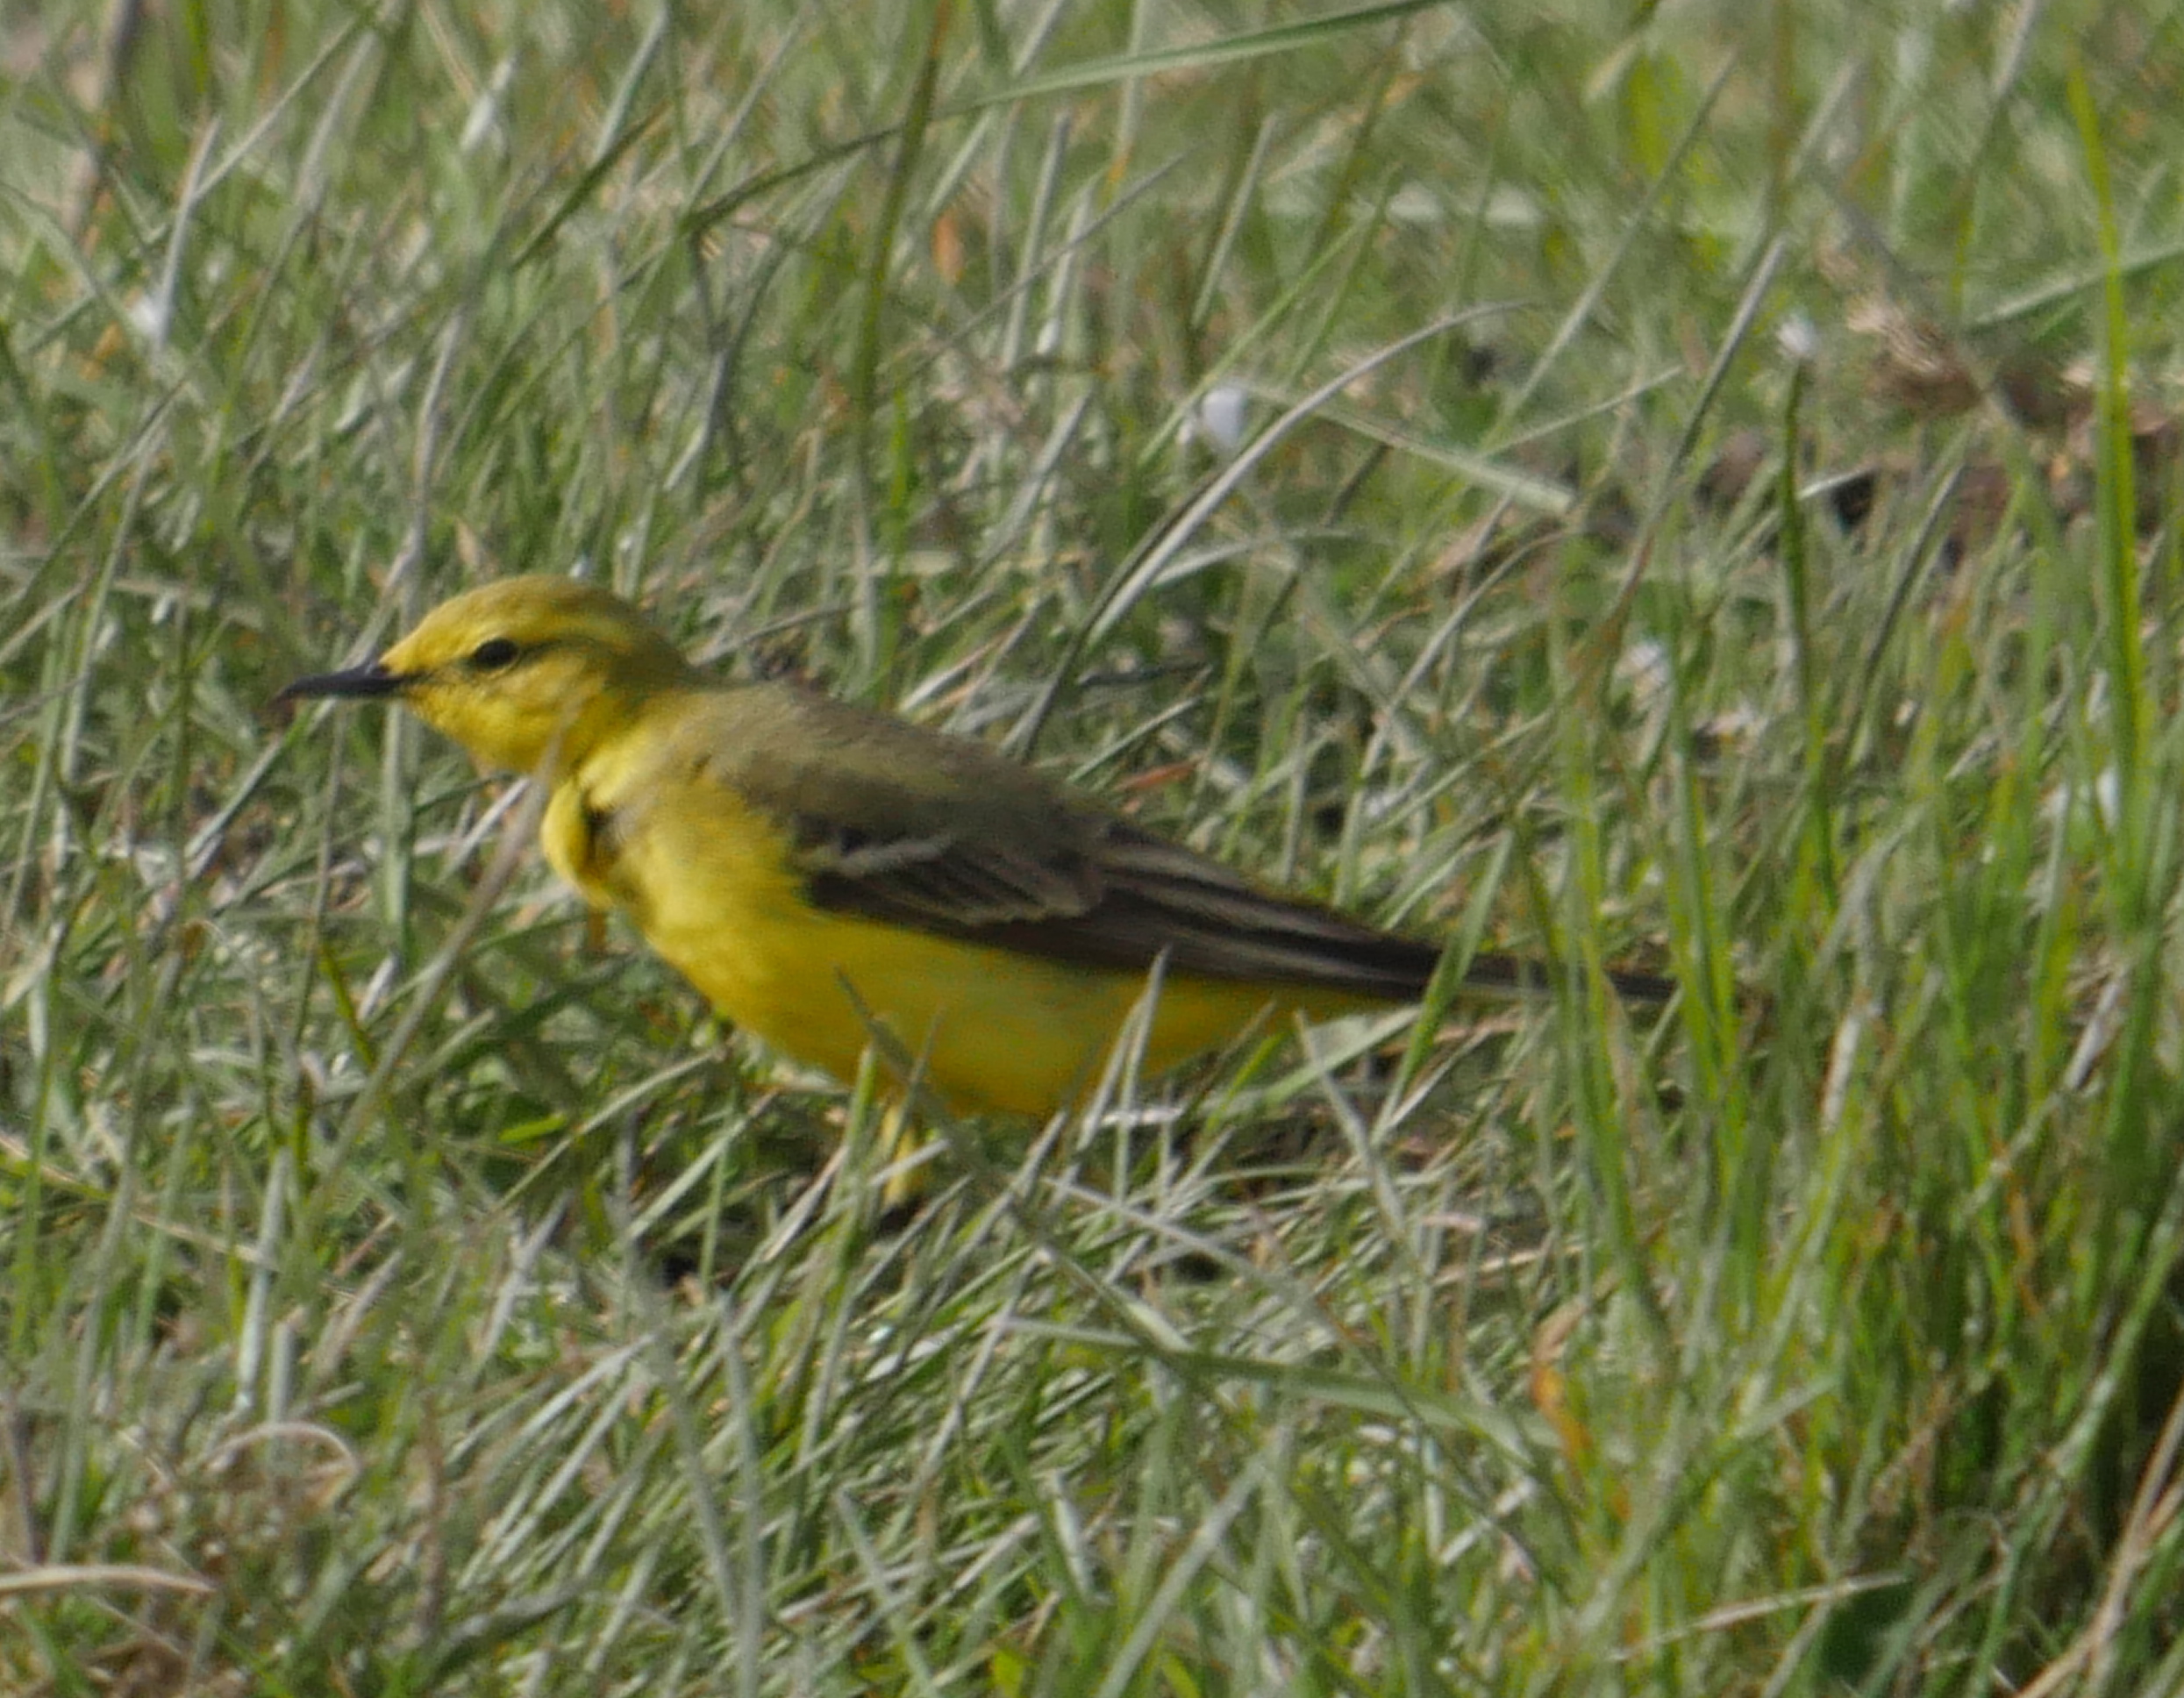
942	879
1159	899
895	823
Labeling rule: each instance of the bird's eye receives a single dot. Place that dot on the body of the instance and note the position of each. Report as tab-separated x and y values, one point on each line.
494	654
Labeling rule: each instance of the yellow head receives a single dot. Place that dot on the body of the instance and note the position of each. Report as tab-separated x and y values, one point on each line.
527	672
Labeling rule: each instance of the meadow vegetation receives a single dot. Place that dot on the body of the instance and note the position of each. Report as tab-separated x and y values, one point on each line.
1686	485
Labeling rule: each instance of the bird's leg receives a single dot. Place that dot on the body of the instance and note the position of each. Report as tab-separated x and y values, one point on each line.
905	1153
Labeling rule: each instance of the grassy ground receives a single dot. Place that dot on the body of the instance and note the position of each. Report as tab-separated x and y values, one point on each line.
408	1291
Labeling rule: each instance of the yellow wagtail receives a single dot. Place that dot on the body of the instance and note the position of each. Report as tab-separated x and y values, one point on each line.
813	867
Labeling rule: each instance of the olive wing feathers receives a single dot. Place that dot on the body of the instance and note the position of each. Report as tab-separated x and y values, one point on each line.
893	822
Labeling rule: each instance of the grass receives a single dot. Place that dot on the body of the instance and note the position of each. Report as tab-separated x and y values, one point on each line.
409	1291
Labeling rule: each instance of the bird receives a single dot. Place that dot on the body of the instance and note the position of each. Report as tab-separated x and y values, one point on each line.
822	871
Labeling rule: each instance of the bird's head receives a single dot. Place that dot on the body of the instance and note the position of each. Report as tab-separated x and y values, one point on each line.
526	672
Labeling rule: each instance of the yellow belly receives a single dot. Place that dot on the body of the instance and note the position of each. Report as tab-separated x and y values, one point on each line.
989	1029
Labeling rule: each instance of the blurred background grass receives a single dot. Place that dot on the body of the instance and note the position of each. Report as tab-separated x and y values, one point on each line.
1761	563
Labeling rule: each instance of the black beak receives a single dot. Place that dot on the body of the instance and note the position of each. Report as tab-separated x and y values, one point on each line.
374	680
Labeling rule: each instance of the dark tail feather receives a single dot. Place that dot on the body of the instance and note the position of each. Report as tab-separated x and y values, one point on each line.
1514	973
